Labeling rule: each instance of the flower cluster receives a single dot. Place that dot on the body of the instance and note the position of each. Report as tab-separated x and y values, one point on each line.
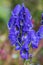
21	33
40	31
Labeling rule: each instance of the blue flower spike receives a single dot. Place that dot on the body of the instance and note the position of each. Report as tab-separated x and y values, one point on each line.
21	32
40	31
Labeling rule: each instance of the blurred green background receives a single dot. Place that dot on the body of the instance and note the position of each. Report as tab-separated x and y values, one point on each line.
6	6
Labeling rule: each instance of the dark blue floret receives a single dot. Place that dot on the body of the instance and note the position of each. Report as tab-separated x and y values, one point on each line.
25	38
16	10
13	34
18	46
14	16
42	19
28	14
41	22
24	53
12	38
40	32
42	16
34	39
11	22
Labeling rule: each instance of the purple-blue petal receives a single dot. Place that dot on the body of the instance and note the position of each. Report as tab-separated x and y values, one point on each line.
42	16
40	32
17	46
24	53
11	22
16	10
28	14
34	39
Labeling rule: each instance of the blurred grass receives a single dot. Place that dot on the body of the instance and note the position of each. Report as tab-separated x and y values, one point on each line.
4	15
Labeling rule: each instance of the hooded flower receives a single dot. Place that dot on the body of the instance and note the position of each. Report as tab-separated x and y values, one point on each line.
14	16
40	32
24	52
20	29
42	16
42	19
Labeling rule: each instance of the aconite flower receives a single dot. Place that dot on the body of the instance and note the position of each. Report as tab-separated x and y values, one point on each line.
14	16
42	16
34	39
40	31
20	29
24	53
